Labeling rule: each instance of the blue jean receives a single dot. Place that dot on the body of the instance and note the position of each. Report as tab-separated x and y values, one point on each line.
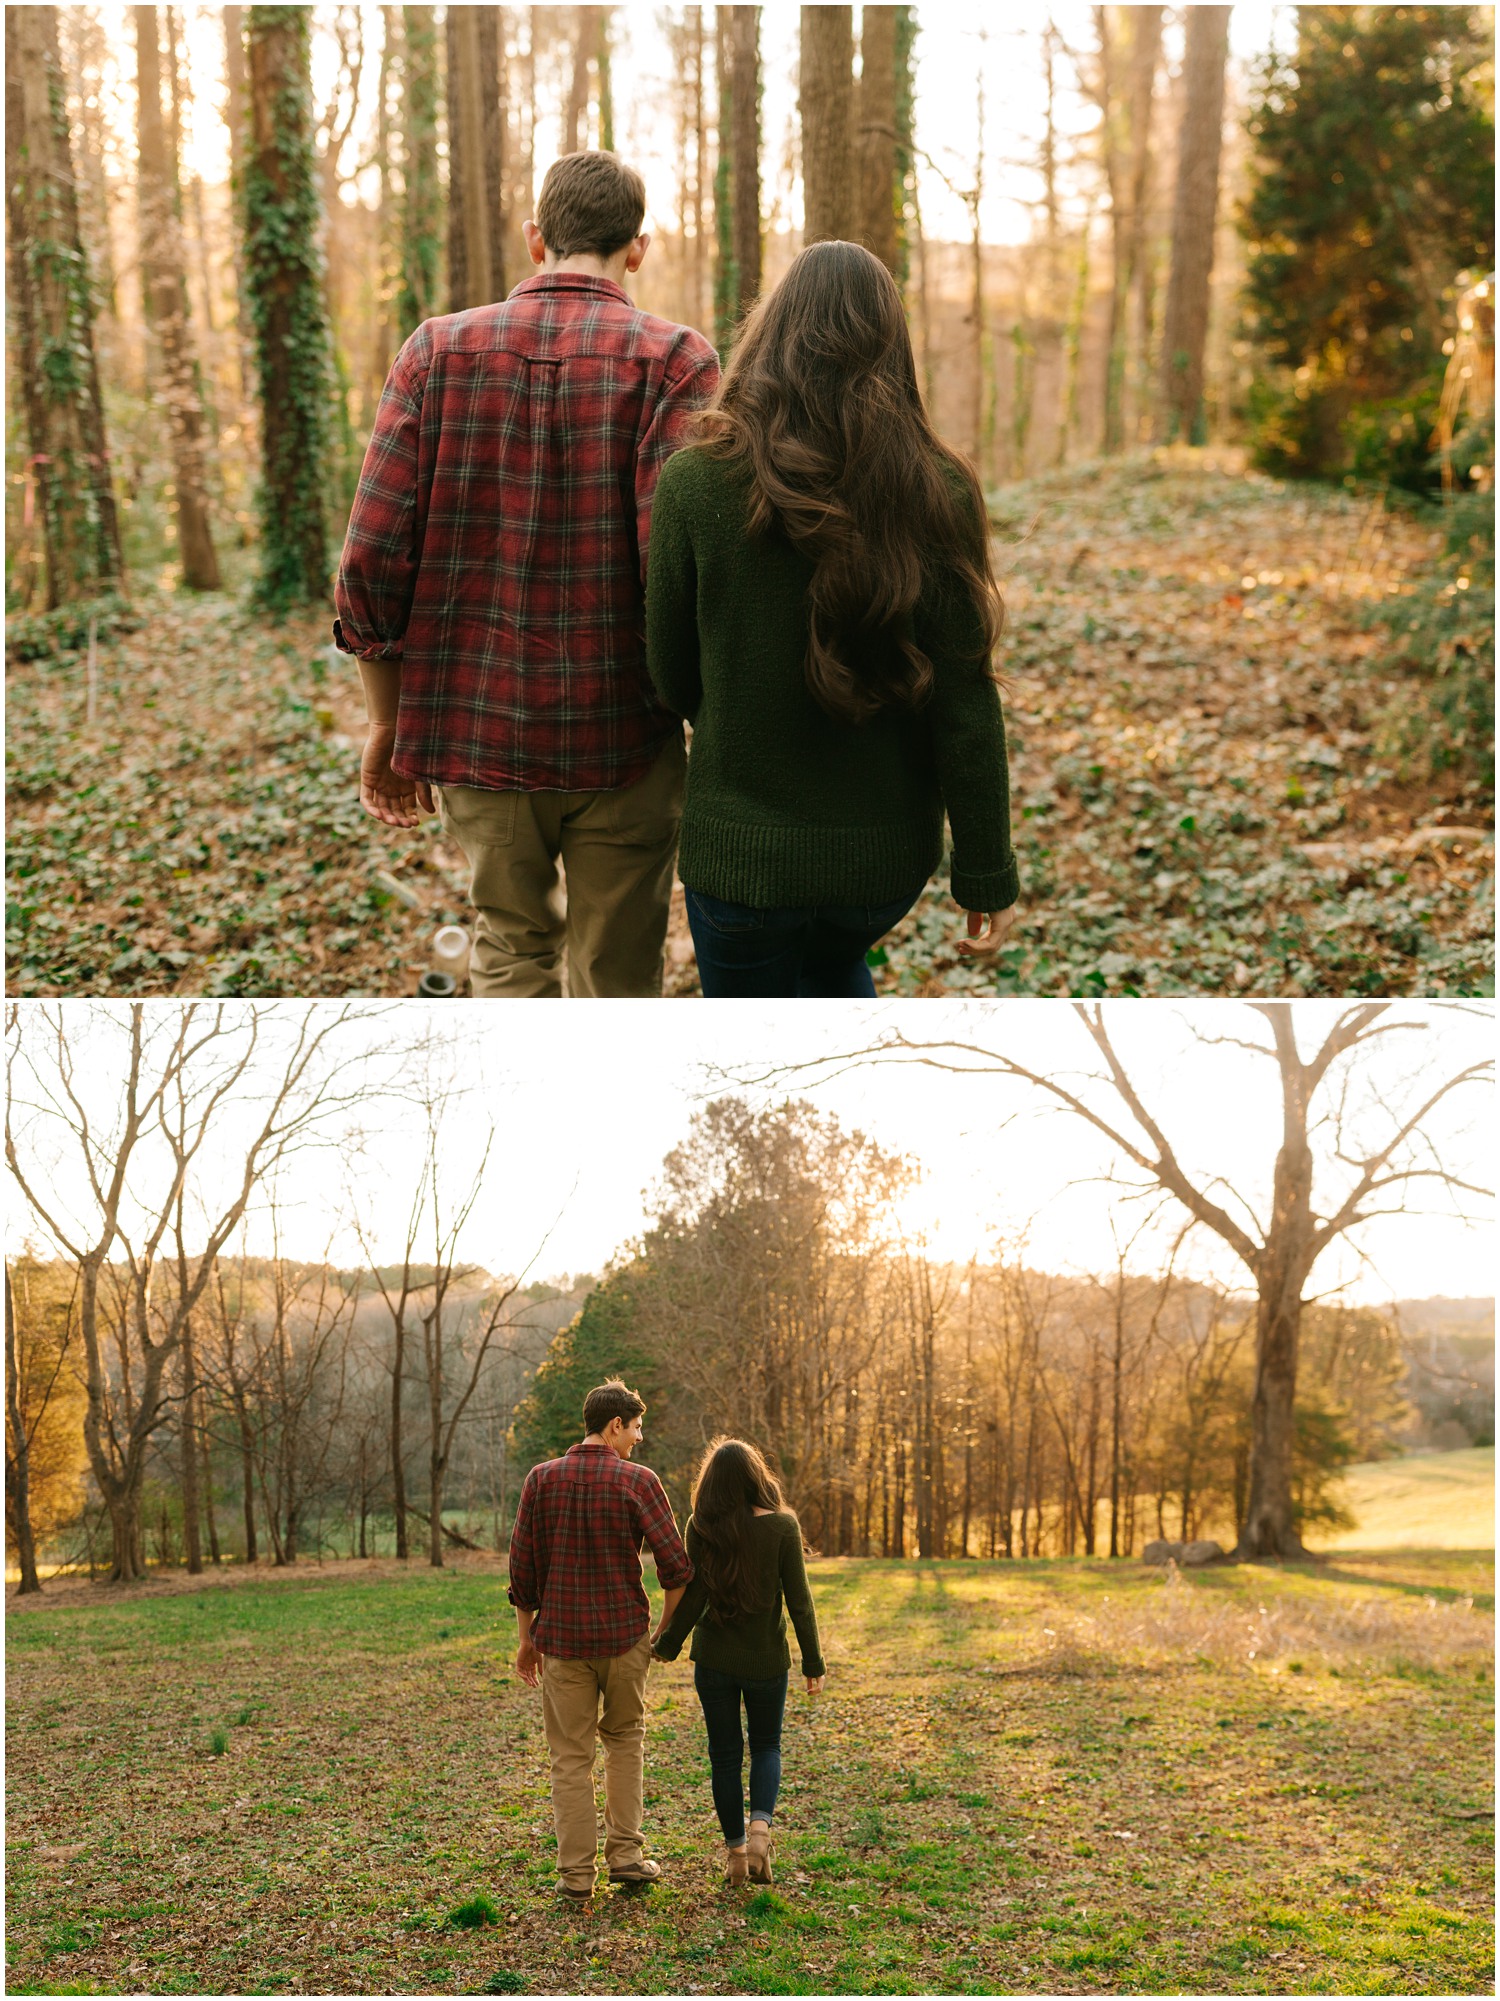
765	1702
749	954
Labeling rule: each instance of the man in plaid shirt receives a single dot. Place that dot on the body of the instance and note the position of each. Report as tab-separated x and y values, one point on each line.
575	1581
491	585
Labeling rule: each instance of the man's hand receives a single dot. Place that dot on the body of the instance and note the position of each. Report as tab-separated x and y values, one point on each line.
385	796
987	932
528	1664
815	1683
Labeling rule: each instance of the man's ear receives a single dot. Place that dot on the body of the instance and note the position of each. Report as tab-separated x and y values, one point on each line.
634	256
536	249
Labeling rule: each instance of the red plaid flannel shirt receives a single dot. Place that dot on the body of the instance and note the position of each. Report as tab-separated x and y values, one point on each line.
575	1552
498	537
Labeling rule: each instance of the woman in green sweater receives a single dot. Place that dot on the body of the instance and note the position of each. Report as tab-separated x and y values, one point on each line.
747	1558
820	605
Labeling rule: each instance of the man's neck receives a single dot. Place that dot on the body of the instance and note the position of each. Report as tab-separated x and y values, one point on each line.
583	266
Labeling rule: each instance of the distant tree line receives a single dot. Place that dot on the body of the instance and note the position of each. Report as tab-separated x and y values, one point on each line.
921	1409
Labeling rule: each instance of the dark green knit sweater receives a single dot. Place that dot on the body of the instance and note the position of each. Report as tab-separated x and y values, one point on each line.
787	807
754	1647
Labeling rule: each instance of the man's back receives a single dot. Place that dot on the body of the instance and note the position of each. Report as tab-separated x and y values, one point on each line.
575	1551
498	536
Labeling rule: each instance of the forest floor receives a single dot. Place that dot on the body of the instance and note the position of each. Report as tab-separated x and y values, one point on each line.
1052	1777
1195	696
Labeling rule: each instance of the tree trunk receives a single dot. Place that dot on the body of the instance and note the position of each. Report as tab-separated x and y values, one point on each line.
1127	142
726	285
586	44
237	118
878	183
398	1471
54	319
470	123
192	1502
496	142
284	278
744	32
417	299
164	296
1194	214
827	106
697	203
247	1476
18	1458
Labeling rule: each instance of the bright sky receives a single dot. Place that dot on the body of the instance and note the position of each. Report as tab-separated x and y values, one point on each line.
587	1101
963	49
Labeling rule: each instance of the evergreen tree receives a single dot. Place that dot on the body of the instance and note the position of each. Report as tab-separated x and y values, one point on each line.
284	283
1373	191
53	307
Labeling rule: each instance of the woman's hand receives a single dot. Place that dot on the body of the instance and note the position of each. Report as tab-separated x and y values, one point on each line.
815	1683
988	931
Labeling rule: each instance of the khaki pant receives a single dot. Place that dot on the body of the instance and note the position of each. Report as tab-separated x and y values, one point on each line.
581	1700
617	849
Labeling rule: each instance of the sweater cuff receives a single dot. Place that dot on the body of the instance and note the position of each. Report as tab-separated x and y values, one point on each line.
813	1670
992	889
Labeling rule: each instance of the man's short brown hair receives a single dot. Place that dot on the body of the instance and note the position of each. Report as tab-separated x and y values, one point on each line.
591	204
611	1400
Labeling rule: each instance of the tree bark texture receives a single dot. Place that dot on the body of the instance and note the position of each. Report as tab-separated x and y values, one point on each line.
827	107
164	294
876	108
1194	215
476	184
744	32
52	301
418	295
18	1457
285	281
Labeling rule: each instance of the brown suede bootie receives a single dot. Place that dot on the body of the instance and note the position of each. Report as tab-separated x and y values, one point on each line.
737	1870
758	1851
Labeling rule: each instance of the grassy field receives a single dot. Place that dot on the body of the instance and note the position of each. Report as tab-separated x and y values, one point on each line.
1202	801
1435	1500
1037	1777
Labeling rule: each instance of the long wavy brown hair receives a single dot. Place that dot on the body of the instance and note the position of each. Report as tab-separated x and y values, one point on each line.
820	402
732	1480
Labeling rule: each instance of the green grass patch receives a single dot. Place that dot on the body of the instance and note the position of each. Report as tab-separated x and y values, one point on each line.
1026	1777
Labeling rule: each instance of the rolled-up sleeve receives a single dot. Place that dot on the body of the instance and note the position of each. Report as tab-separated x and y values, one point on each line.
383	544
659	1532
523	1590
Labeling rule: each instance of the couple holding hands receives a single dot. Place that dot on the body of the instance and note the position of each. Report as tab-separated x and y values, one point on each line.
585	1638
571	534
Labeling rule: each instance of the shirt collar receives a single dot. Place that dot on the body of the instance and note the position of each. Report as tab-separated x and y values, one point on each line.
571	281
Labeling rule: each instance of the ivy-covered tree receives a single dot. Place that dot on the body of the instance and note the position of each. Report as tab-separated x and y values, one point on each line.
421	197
53	319
1373	190
726	277
284	283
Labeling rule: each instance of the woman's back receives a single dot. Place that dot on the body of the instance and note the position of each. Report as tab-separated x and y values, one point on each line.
752	1643
788	804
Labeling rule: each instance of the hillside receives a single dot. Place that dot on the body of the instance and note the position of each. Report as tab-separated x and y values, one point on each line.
1433	1500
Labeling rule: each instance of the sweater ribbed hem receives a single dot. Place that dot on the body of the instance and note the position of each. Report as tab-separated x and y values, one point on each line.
993	889
803	868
